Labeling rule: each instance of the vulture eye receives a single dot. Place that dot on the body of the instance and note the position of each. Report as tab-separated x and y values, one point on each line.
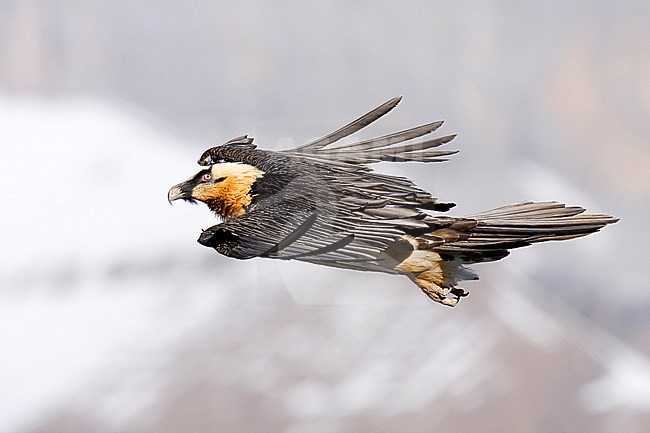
206	177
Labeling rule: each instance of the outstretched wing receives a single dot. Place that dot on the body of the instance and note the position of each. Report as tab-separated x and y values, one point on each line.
391	147
395	147
294	230
330	216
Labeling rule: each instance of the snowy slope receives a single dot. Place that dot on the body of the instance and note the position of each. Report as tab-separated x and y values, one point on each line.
84	206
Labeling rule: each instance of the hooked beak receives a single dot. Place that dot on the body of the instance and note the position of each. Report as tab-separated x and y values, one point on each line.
179	192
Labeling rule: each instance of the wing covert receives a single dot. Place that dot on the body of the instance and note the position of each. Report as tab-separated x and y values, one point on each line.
329	234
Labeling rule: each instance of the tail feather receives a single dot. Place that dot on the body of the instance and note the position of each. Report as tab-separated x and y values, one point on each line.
439	257
533	222
533	210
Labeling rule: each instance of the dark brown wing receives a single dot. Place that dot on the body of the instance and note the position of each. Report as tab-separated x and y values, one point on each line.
331	215
290	232
389	147
395	147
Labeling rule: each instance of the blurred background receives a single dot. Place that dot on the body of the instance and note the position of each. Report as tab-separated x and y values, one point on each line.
112	317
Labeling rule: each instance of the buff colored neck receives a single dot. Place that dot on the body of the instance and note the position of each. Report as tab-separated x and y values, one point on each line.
230	197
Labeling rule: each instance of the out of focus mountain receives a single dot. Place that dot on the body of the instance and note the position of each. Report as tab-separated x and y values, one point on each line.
113	318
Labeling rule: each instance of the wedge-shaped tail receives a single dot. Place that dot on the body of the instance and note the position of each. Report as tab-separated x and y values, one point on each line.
437	263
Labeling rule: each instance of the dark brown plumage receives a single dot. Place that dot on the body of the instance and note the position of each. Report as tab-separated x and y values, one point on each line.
323	203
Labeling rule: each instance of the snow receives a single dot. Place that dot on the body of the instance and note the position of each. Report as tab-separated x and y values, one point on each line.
87	181
84	194
625	386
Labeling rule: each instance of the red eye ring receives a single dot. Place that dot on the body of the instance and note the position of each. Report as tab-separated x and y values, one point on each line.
206	177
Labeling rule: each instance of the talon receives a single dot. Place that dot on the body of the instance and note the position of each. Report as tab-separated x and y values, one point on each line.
458	292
